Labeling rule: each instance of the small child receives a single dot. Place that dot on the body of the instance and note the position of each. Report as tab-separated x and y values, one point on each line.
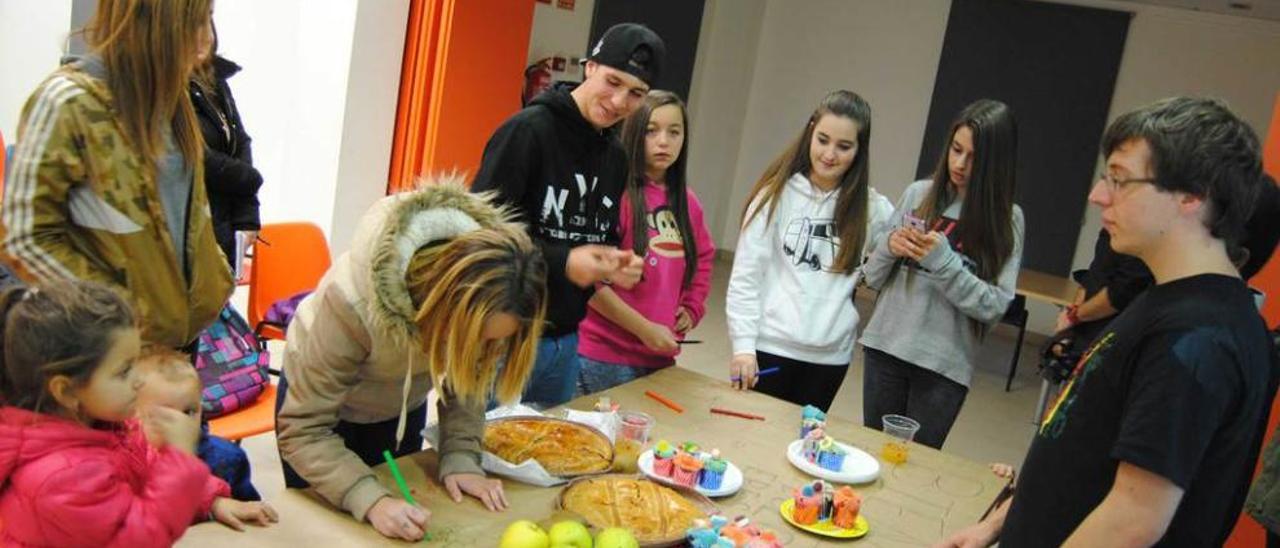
76	467
169	380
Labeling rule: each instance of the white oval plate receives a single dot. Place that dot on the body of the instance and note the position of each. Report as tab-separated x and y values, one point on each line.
859	467
731	483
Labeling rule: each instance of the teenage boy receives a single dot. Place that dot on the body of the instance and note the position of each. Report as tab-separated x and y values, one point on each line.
559	164
1154	437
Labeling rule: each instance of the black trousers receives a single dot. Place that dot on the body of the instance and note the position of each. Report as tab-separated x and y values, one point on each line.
894	386
367	441
801	383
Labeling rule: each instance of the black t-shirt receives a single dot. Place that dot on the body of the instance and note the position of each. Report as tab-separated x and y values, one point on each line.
1177	385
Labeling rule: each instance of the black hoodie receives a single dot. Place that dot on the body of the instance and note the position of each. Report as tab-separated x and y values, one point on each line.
565	178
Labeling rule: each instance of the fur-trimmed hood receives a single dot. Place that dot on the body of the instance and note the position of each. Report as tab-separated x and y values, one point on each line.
398	226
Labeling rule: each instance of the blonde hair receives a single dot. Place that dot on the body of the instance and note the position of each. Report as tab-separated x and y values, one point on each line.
149	48
459	284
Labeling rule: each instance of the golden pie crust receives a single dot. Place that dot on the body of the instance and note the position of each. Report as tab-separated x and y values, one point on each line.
563	448
651	512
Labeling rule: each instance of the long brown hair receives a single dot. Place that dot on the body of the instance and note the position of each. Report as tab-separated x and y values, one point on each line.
456	286
851	202
149	48
986	234
59	328
634	131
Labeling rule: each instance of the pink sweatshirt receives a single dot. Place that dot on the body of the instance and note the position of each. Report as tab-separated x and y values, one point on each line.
661	291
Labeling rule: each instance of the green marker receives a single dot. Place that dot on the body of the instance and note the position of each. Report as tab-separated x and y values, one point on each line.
404	487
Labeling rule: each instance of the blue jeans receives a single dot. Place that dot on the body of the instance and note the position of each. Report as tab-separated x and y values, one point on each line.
555	373
598	376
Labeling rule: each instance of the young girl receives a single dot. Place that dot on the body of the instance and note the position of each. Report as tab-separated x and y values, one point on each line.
631	333
808	219
439	290
75	469
943	286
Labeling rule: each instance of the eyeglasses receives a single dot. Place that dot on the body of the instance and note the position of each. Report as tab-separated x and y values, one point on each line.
1115	185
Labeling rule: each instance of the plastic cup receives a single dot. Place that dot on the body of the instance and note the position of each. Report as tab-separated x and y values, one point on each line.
634	425
903	429
632	435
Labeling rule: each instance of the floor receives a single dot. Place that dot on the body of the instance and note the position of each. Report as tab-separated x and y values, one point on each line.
994	426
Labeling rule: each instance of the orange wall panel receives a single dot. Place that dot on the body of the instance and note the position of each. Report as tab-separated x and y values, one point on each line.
479	79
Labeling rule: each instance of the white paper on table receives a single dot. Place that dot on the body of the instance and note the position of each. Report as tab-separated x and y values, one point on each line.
529	471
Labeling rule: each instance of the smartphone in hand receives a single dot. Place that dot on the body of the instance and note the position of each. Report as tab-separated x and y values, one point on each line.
914	222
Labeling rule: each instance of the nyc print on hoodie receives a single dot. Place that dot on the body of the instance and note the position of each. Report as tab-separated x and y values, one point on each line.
565	178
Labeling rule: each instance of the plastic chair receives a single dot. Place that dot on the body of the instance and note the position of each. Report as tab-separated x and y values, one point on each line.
255	419
288	258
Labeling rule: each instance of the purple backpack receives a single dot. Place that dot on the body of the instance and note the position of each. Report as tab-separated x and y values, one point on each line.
231	364
281	312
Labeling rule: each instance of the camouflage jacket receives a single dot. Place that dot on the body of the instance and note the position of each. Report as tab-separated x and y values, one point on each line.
80	203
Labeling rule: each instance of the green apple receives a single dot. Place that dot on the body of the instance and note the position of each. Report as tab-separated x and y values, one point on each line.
569	534
615	537
524	534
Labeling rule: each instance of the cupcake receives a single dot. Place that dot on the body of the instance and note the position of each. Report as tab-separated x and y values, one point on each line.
690	448
810	445
807	506
663	458
685	471
713	469
830	455
811	417
847	505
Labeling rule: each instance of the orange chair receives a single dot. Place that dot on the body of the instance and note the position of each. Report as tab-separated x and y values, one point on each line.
288	258
255	419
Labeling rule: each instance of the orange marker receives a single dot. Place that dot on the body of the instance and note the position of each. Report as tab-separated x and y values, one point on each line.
664	401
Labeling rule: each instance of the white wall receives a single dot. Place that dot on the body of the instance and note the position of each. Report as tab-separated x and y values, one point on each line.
721	84
885	50
318	95
559	32
32	34
373	89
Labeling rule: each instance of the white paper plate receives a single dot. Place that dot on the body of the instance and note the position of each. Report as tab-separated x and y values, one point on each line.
859	467
729	485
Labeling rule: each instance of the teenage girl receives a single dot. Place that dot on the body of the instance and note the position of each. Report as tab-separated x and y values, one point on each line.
946	273
631	333
804	230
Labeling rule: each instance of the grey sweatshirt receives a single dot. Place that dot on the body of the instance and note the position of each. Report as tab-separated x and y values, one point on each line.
924	318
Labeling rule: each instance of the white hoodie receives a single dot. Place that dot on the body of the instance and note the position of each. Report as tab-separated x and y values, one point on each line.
783	299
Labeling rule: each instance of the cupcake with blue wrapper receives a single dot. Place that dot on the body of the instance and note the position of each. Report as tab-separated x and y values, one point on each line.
713	469
830	455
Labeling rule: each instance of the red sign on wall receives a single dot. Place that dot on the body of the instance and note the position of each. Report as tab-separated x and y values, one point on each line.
565	4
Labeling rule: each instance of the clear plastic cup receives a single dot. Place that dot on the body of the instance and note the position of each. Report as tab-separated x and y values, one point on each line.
904	430
632	435
634	425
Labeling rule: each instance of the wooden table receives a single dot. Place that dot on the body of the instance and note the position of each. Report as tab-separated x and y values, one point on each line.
1047	287
912	504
